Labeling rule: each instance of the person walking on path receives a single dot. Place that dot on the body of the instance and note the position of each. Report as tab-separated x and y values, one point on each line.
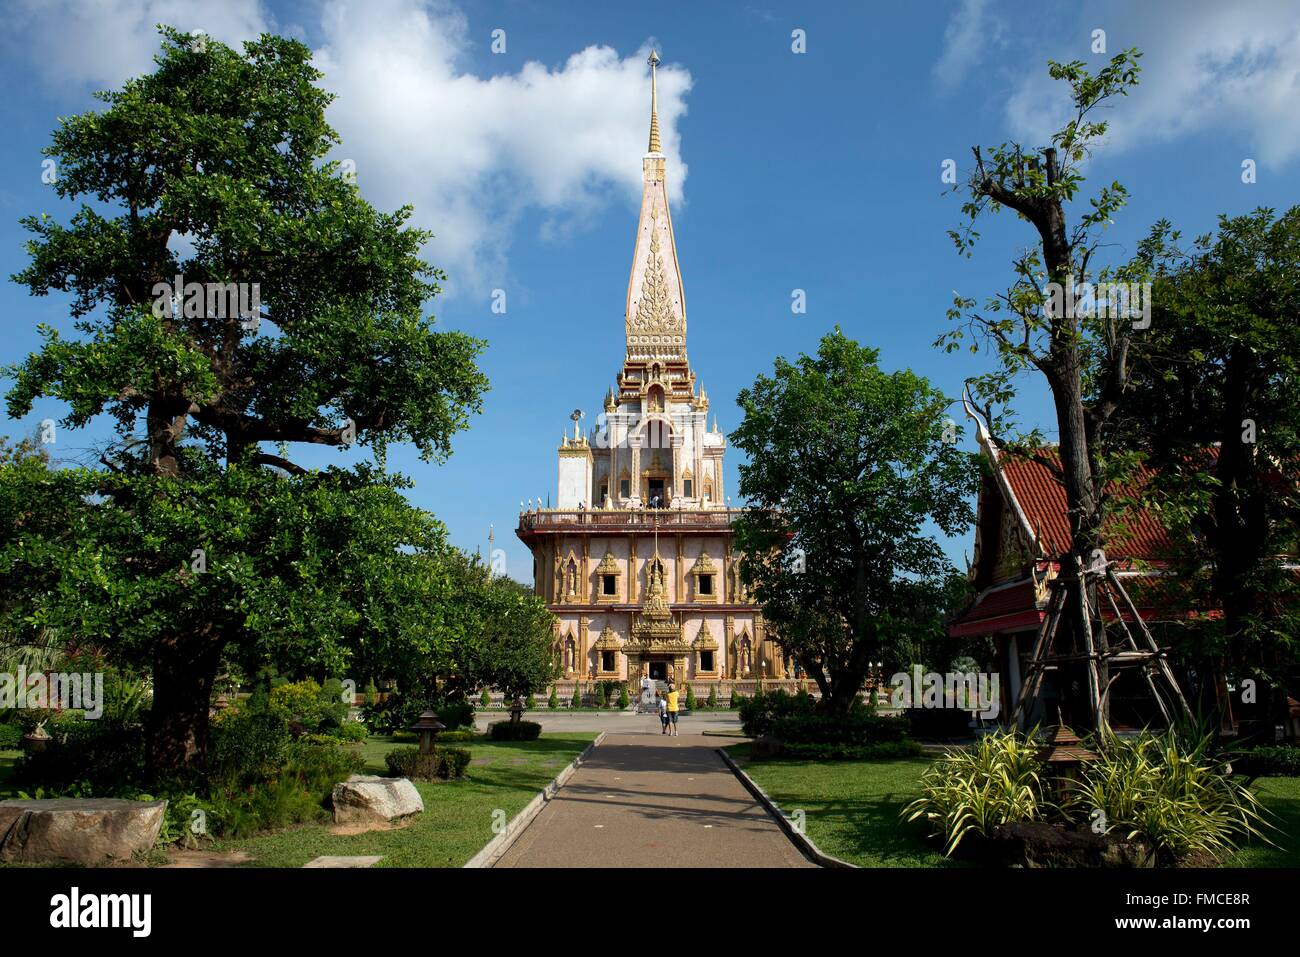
672	709
663	711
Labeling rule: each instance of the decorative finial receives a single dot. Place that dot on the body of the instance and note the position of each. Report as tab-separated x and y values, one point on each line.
654	105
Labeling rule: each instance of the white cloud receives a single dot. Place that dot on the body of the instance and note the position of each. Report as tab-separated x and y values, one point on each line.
471	153
971	33
1233	69
72	43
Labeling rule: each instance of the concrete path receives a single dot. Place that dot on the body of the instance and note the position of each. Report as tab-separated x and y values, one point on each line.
647	800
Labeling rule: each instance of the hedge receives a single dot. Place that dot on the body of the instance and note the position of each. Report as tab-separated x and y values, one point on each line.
514	730
443	763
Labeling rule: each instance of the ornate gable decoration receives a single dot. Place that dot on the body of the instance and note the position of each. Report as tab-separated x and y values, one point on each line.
609	565
655	625
704	565
608	640
704	641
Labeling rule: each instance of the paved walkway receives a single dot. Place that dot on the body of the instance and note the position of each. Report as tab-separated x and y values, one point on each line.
643	799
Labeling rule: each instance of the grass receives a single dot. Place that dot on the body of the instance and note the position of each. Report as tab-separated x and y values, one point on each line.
1281	796
458	815
7	760
852	807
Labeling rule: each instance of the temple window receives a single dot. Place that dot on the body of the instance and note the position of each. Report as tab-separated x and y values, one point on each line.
706	661
706	584
687	489
609	584
607	661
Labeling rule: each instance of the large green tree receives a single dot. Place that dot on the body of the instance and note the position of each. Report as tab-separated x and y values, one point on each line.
850	468
213	167
1216	411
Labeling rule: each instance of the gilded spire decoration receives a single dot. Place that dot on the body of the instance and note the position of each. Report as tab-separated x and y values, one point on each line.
655	313
654	111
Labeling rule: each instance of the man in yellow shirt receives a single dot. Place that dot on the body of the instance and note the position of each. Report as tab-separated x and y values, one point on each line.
672	709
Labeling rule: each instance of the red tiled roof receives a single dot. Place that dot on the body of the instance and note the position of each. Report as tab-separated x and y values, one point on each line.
1005	607
1014	606
1131	533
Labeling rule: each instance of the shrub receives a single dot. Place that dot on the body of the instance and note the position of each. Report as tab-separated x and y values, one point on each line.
442	763
601	699
485	699
299	700
1267	762
320	763
352	732
974	790
624	701
371	694
712	703
104	756
457	714
759	712
737	699
455	761
1172	792
691	703
854	728
446	736
576	700
940	724
553	702
514	731
530	702
246	743
11	736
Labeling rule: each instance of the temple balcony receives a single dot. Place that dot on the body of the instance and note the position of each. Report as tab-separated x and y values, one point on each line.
620	520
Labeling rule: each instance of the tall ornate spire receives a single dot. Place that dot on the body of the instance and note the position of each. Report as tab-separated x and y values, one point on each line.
655	316
654	105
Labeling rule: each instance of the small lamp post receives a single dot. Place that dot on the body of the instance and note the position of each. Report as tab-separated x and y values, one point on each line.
1065	756
427	728
516	710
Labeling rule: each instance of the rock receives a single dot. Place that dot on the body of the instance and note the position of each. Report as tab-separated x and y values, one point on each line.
1041	844
363	799
86	831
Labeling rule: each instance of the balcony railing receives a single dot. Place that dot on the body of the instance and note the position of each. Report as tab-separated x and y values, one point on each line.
541	519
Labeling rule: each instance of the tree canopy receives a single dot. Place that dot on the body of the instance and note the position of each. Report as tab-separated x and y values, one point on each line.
850	469
209	175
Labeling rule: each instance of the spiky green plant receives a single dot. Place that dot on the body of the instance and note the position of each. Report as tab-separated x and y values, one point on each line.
997	781
1174	792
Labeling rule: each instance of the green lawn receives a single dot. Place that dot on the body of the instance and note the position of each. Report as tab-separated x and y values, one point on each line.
458	815
7	759
1282	797
852	810
851	807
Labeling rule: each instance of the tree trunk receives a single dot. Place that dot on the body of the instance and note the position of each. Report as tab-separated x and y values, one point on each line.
184	670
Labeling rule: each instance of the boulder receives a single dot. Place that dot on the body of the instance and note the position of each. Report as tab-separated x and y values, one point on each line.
1042	844
85	831
364	799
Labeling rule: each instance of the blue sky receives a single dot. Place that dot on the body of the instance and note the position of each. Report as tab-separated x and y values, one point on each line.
817	171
